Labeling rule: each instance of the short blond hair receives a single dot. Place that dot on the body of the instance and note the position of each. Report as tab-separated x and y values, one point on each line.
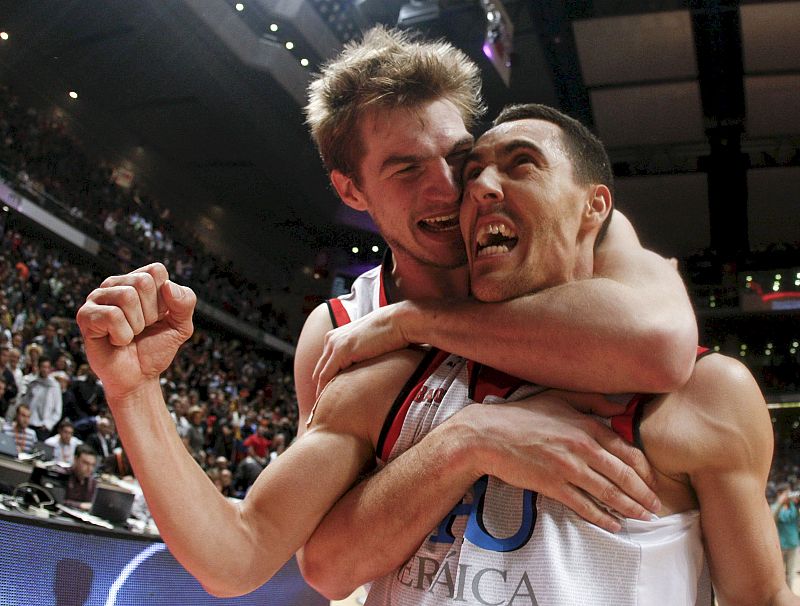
387	69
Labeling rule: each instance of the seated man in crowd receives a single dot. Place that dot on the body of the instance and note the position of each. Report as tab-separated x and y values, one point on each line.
81	484
533	209
64	443
23	435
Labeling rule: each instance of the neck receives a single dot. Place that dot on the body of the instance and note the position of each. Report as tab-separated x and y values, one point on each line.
410	279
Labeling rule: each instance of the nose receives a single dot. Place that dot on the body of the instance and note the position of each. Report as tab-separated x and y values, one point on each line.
486	188
442	183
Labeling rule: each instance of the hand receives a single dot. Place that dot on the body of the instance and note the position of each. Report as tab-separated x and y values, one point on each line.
373	335
133	325
543	444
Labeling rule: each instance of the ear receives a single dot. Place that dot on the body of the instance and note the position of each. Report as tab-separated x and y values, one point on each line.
598	206
348	191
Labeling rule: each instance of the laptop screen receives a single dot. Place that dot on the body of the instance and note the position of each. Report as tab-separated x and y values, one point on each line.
112	504
8	446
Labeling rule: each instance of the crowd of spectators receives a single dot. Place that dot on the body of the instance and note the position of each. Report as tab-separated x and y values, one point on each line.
233	405
45	160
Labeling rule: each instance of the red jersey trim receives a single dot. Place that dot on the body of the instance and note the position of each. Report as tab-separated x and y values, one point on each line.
627	423
339	315
410	392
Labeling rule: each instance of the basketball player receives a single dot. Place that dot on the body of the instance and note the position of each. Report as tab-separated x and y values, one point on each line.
710	442
391	118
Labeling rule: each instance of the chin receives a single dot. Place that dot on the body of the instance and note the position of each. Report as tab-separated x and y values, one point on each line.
488	291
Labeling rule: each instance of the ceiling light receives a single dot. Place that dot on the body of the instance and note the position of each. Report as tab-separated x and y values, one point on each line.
4	35
239	6
375	248
304	62
73	94
355	250
273	27
289	45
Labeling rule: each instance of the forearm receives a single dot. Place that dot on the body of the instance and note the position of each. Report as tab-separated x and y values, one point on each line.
398	506
591	335
202	530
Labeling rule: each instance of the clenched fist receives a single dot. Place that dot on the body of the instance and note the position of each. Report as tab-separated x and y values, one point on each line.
133	325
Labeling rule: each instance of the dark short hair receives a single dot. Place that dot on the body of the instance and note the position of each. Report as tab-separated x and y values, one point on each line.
65	423
84	449
590	162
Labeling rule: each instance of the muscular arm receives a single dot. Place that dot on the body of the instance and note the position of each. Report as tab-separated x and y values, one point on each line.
233	549
723	440
132	327
630	328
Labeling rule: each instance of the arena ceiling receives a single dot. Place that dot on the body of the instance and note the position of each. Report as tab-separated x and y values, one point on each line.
202	102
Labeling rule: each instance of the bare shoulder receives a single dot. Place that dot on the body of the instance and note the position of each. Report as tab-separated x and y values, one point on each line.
309	349
359	398
719	419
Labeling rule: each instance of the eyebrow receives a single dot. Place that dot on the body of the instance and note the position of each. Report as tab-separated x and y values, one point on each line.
512	146
410	159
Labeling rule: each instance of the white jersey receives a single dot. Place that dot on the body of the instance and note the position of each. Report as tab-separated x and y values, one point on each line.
367	294
507	546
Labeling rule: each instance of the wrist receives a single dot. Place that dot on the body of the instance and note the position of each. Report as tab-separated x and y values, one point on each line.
412	319
146	391
468	449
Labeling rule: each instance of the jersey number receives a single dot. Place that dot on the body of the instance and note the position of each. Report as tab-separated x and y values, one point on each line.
476	532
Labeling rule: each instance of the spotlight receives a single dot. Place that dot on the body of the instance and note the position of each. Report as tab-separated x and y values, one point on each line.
304	62
239	7
355	250
73	94
273	27
4	35
375	248
289	45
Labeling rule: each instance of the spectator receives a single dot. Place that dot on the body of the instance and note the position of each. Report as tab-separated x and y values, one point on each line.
87	398
14	356
81	484
117	464
64	443
104	440
51	342
259	442
10	394
246	473
196	432
785	512
24	436
43	396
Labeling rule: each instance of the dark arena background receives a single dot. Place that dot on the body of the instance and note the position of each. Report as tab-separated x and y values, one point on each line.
173	131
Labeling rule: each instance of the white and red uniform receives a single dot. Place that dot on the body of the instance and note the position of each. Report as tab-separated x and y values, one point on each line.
504	546
367	294
507	546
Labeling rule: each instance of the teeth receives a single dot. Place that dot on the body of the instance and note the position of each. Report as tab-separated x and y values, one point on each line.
442	219
494	229
493	250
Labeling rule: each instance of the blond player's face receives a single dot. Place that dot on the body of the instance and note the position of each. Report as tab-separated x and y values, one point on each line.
409	180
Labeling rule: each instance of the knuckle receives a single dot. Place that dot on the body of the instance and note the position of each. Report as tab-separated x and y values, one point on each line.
610	494
128	295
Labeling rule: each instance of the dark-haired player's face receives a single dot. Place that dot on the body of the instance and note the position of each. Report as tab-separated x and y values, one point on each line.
522	210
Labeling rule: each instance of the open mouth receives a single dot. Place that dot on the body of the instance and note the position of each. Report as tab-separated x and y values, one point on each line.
495	239
441	223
